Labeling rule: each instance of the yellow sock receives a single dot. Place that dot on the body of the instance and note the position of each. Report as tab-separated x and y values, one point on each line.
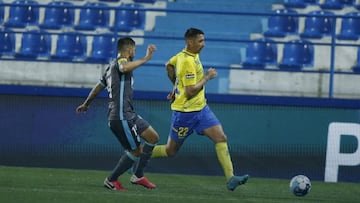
223	155
159	151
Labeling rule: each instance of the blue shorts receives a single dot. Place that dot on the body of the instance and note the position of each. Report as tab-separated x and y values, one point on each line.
183	124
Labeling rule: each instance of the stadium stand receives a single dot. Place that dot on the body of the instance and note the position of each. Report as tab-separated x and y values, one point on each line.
103	48
282	24
58	14
336	4
23	13
35	43
233	33
260	53
71	46
297	54
129	18
94	15
7	42
319	25
350	27
356	67
2	14
299	3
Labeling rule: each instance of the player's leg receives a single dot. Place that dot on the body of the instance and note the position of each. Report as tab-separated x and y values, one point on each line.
216	134
181	127
211	127
132	152
151	138
168	150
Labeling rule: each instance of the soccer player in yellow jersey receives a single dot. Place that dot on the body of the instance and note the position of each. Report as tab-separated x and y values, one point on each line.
190	111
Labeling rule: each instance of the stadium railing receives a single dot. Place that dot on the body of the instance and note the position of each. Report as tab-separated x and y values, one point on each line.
177	37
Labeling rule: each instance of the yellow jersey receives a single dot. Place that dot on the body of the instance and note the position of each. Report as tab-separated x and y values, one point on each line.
189	71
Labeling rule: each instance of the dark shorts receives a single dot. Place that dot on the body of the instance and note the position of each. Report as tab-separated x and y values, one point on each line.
183	124
128	131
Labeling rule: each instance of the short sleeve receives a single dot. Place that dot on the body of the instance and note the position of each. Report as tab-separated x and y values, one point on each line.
189	73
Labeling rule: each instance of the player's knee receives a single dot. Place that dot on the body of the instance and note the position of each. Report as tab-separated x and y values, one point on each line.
153	139
136	152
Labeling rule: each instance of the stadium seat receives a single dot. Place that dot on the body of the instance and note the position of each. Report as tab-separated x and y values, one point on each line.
318	26
95	16
111	0
23	13
70	45
336	4
260	53
7	42
297	54
299	3
2	13
103	48
145	1
129	18
282	24
59	14
350	27
356	67
34	44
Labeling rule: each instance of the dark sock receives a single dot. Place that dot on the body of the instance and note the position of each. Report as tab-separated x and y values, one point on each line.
125	162
144	159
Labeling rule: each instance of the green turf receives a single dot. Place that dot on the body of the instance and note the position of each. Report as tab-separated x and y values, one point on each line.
19	184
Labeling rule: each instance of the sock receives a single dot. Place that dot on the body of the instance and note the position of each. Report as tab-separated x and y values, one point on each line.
159	151
125	162
144	159
223	155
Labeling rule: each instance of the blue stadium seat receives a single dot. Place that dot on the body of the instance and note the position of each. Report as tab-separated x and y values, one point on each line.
35	43
129	19
282	24
299	3
357	5
356	67
23	13
145	1
350	27
95	16
103	48
297	54
111	0
259	53
2	13
59	14
336	4
70	45
318	26
7	42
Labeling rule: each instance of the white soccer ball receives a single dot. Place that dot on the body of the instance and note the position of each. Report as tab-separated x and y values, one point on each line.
300	185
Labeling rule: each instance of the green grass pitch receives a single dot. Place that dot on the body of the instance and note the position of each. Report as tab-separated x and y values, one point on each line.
24	184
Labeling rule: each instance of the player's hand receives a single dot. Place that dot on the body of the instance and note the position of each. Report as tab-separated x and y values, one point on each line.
210	73
82	108
150	50
171	96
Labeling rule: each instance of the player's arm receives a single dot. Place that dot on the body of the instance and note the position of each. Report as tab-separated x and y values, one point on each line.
170	69
192	90
129	66
92	95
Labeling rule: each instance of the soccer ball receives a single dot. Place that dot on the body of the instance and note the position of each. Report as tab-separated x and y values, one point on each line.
300	185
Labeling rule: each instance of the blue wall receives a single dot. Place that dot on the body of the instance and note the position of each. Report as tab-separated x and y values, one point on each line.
40	128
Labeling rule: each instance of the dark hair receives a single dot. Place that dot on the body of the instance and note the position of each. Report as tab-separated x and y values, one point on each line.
125	42
192	32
